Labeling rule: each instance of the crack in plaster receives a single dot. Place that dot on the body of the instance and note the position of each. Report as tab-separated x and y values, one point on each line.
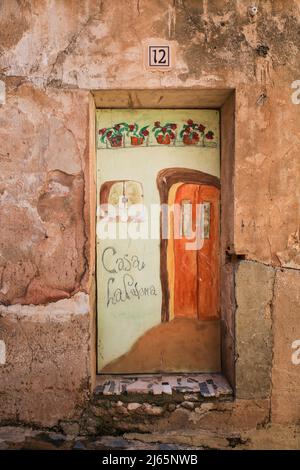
272	336
70	46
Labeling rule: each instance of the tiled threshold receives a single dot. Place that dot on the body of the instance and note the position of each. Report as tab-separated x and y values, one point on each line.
202	385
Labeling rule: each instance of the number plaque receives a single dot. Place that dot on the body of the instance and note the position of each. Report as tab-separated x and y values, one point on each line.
159	57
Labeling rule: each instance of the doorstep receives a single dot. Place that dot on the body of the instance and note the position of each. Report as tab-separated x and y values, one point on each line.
203	386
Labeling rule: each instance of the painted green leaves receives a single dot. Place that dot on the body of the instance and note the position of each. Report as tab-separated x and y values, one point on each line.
124	134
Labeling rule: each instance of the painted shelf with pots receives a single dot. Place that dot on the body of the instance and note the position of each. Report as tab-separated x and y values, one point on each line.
135	135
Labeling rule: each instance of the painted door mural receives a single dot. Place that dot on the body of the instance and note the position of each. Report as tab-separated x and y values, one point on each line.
158	241
196	289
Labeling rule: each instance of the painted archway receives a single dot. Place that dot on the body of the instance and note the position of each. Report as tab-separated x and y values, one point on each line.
167	180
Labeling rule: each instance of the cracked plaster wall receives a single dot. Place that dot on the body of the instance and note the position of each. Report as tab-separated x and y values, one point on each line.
51	54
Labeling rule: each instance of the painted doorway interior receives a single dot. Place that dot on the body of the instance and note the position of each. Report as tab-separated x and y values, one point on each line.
196	272
158	230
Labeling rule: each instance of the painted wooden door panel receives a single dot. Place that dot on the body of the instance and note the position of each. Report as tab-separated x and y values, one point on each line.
208	258
196	289
185	261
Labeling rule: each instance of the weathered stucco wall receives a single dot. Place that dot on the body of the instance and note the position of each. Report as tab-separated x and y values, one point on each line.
51	54
46	375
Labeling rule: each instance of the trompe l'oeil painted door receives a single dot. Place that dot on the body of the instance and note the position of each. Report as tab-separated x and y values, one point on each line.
196	271
158	241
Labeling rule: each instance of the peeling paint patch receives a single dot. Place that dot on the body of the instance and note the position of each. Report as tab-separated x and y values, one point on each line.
2	352
60	311
296	353
2	92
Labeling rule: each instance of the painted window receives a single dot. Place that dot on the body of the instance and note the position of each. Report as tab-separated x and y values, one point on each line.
122	201
186	218
205	220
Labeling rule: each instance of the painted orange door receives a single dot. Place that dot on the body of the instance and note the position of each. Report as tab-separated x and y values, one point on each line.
196	282
185	261
209	257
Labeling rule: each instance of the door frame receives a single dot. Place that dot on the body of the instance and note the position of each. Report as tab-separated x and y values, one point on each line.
165	180
199	97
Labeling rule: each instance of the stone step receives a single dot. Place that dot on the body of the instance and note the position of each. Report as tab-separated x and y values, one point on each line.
206	385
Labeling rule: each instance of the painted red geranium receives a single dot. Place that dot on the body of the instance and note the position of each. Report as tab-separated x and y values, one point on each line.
137	135
210	135
113	135
192	132
165	134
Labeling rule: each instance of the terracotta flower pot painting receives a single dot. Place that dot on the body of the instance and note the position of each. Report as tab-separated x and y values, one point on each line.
113	136
192	133
137	134
169	133
137	140
164	133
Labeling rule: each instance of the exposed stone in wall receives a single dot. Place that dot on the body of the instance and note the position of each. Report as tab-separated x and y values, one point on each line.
267	325
148	414
265	438
286	327
271	437
254	342
47	370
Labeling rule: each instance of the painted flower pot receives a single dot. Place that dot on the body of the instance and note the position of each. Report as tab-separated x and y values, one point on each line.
116	141
163	139
187	140
137	140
